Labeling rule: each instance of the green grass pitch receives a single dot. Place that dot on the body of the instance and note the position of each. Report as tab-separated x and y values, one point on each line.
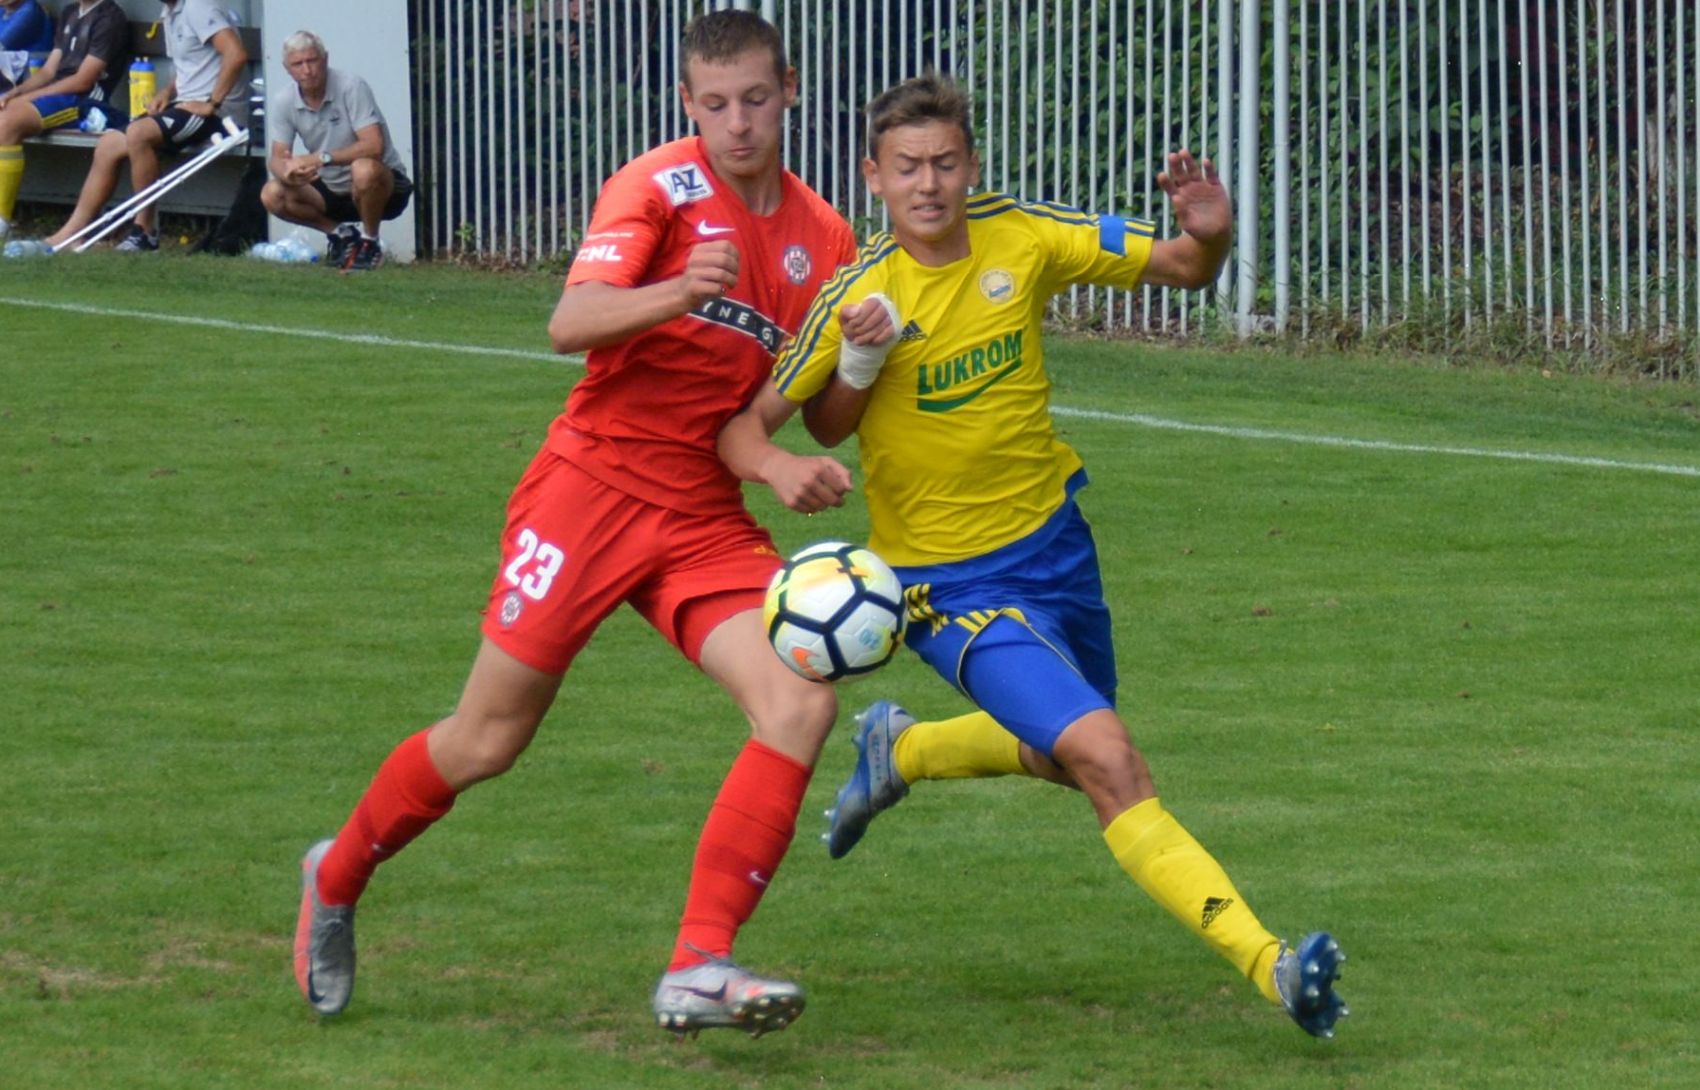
1440	702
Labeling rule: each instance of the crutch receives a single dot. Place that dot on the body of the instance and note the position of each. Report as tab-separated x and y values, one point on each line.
232	136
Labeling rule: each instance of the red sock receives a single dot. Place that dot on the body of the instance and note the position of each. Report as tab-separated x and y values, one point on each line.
746	835
406	796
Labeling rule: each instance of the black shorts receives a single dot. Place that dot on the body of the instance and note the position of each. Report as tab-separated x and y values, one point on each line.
340	206
183	129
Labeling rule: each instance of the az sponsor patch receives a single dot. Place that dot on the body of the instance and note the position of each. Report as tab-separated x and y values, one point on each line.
684	183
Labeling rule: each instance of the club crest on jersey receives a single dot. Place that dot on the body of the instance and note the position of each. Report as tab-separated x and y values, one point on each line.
512	604
997	285
797	264
684	183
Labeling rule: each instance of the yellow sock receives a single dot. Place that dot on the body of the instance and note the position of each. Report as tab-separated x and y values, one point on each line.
967	747
1176	871
11	178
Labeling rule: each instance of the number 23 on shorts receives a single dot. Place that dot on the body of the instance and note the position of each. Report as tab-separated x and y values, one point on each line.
535	566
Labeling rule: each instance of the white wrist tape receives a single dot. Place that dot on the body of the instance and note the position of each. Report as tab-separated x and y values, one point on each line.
859	364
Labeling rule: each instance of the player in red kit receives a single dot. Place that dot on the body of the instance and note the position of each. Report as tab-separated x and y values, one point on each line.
702	256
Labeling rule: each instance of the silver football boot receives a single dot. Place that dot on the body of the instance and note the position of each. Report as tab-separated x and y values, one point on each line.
722	994
324	941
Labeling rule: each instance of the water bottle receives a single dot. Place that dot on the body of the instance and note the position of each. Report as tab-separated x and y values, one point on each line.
265	251
94	121
142	87
27	247
296	252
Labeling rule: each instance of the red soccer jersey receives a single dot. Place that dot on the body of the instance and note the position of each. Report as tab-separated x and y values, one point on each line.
646	415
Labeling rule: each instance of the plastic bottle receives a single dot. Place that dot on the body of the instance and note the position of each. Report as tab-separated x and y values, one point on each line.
27	247
142	86
265	251
295	251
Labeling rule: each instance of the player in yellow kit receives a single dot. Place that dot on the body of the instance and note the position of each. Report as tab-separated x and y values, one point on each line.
928	347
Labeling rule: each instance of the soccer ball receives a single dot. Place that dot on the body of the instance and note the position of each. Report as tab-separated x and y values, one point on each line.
833	611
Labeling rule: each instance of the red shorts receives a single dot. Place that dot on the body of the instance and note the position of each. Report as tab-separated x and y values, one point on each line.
575	548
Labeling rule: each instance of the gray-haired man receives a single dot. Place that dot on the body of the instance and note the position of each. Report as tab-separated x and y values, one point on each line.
351	178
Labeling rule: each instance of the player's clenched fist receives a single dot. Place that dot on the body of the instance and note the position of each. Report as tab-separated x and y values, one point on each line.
870	331
806	483
711	271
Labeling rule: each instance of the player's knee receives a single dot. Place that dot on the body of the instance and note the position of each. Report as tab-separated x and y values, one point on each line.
469	747
1042	767
795	718
274	197
487	758
1098	754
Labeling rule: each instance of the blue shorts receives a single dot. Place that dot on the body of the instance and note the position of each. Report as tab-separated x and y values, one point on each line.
1022	631
58	111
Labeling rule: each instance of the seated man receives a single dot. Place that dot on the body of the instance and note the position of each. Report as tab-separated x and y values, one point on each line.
209	83
25	29
351	171
86	68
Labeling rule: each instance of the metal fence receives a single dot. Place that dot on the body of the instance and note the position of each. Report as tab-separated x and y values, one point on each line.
1452	161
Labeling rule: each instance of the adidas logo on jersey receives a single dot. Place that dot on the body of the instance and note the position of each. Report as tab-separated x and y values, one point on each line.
912	332
1214	907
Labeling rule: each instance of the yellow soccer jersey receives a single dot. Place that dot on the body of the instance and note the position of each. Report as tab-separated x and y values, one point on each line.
958	453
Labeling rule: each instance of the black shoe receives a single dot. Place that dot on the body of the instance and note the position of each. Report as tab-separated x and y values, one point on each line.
365	255
138	241
338	243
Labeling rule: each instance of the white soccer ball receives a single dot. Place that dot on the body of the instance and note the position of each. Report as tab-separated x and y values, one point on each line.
834	610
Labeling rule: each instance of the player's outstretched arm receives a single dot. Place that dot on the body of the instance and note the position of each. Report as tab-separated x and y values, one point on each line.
1192	259
806	483
591	314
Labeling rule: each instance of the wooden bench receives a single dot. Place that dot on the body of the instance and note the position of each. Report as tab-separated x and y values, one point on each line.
60	159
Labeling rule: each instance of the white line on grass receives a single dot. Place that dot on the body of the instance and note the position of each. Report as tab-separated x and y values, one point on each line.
1135	419
287	331
1144	421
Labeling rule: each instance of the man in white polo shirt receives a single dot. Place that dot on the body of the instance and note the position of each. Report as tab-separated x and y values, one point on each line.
209	83
351	177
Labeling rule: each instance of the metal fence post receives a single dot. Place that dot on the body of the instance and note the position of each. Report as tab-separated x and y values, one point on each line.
1246	154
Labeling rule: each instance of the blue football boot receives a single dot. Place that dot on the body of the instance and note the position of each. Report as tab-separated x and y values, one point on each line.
1305	976
874	785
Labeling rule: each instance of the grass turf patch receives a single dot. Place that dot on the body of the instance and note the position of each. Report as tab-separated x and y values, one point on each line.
1439	703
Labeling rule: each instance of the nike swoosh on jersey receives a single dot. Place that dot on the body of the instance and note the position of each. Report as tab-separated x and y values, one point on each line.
709	230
